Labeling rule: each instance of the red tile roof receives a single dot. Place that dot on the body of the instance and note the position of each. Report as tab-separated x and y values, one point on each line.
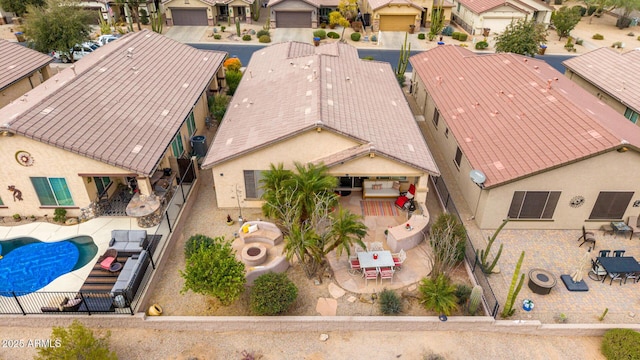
514	116
481	6
18	62
122	105
616	74
292	87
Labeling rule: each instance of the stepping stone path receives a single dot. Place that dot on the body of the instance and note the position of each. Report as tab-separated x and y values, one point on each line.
336	291
327	306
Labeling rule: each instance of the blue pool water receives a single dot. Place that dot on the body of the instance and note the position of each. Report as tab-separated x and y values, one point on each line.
29	264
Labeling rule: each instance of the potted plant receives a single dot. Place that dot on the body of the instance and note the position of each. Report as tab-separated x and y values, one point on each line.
229	220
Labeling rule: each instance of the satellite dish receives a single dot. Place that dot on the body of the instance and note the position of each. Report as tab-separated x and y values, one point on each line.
477	177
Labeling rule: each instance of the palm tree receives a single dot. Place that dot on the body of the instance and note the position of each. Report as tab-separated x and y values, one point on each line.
273	183
346	230
308	183
438	295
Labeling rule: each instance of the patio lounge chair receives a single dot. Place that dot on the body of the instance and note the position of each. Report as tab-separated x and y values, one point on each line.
587	237
108	258
404	201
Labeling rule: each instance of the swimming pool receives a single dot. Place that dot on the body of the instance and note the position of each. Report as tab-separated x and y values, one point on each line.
28	264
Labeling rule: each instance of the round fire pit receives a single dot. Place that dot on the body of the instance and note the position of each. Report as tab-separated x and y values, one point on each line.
254	254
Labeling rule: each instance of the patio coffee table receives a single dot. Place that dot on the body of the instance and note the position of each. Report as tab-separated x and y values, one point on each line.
619	227
541	281
115	267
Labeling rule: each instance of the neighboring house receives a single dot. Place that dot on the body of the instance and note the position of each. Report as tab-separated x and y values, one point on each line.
493	16
552	155
97	8
6	17
206	12
124	111
300	13
300	103
393	15
21	69
612	77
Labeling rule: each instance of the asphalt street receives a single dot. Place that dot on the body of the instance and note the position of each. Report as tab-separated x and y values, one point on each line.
244	52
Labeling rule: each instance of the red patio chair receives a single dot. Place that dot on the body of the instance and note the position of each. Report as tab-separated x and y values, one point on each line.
108	258
403	201
354	264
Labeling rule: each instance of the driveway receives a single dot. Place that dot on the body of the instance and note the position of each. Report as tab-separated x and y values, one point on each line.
186	34
304	35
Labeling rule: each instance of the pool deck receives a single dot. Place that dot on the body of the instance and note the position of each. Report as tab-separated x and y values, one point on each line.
99	229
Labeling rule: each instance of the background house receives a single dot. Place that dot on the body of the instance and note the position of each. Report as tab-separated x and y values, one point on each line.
553	156
110	120
300	13
21	69
612	77
206	12
393	15
297	102
476	16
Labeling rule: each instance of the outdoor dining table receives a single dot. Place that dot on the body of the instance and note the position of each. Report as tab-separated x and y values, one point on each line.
367	261
619	265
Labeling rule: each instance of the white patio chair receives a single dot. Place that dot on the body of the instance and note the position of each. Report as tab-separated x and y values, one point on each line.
615	276
598	271
633	276
370	274
376	246
386	273
398	259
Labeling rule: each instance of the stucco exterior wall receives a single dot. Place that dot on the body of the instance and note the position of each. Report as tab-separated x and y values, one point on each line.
592	89
23	86
48	162
611	171
228	175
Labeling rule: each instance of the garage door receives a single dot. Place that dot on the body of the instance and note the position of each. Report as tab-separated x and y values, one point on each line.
293	19
396	22
189	17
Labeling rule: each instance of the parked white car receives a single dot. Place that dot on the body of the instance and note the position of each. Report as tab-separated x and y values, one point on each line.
105	39
79	51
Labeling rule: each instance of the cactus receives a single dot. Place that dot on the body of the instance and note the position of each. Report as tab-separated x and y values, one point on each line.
474	299
511	297
156	22
238	26
484	254
405	51
601	318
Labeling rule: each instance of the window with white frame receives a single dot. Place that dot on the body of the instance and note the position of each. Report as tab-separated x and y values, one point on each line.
253	187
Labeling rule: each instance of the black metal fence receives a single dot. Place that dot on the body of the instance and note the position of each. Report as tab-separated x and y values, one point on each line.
470	252
104	302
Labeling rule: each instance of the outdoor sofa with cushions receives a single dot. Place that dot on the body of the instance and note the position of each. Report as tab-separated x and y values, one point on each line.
380	189
128	241
131	276
260	231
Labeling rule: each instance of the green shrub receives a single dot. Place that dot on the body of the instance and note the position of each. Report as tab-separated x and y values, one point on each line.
263	32
597	36
272	294
233	80
448	30
638	38
217	36
355	36
390	303
617	44
455	35
144	17
480	45
458	232
591	10
421	36
621	344
320	34
582	10
463	36
193	243
218	106
333	35
59	215
17	217
246	37
323	25
212	269
463	292
264	39
372	58
76	342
